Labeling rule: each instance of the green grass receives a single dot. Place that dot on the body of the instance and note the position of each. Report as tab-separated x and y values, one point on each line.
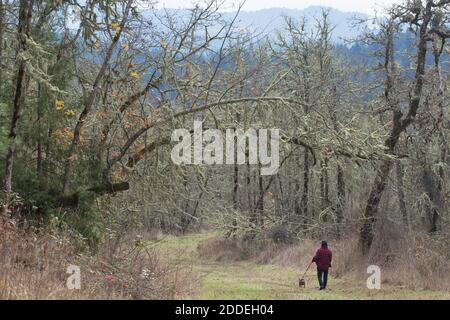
248	280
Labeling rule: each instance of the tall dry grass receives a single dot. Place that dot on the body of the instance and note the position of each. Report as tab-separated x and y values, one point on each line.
416	260
33	265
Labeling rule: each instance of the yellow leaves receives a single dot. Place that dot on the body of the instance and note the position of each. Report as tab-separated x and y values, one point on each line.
126	47
135	75
409	18
59	105
96	46
116	26
70	113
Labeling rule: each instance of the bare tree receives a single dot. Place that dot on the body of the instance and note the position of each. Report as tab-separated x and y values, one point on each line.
420	17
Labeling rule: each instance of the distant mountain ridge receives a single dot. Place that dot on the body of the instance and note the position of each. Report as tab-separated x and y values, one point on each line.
271	20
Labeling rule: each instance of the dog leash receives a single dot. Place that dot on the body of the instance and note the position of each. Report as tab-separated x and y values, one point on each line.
306	270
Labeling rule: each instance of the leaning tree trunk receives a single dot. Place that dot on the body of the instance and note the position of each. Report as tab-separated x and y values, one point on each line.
90	100
399	124
367	231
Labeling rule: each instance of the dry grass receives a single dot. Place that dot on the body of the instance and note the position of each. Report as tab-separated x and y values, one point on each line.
415	261
34	265
422	263
220	249
246	279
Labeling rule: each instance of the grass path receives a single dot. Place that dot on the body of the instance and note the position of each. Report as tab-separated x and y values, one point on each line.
248	280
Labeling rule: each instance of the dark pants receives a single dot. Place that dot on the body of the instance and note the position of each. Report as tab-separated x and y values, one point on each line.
322	275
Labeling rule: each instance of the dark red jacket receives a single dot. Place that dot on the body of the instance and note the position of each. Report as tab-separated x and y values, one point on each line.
323	259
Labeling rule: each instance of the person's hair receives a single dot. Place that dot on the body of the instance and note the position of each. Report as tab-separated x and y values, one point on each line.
324	244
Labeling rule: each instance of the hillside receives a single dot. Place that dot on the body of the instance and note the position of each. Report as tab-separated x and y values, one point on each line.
208	153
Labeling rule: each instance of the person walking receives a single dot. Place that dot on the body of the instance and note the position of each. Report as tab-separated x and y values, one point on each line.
323	262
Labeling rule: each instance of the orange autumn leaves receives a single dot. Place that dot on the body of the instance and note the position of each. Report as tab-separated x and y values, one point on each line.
131	120
65	136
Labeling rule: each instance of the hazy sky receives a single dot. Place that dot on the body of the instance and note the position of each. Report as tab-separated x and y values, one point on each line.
365	6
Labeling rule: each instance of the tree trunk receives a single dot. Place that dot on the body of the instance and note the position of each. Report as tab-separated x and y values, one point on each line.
40	103
259	206
399	125
431	189
367	230
235	186
235	199
185	203
324	185
248	188
340	198
304	199
90	101
297	198
401	193
25	15
442	175
2	34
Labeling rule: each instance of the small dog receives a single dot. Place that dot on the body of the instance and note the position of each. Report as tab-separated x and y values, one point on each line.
301	283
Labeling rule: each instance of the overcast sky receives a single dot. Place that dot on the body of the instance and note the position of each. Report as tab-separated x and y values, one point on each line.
365	6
